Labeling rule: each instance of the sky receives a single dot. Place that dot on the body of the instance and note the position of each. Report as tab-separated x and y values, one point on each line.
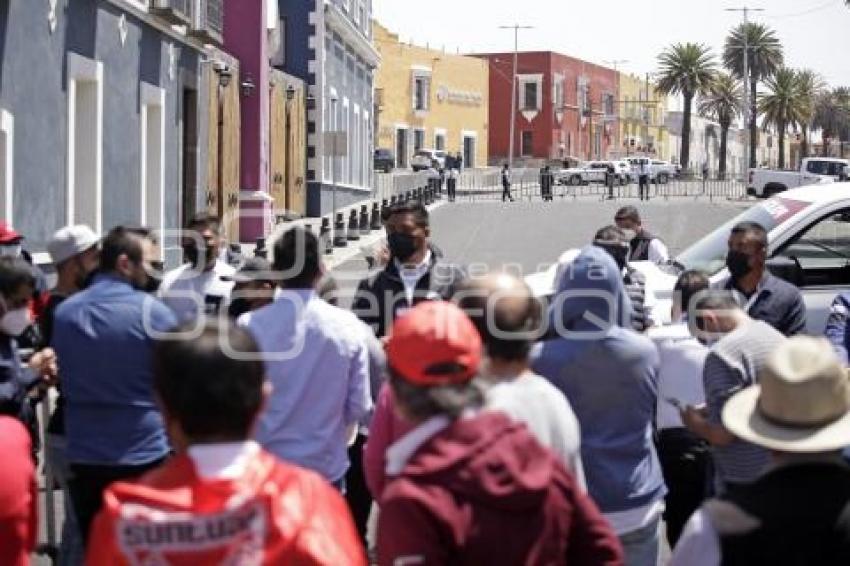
815	33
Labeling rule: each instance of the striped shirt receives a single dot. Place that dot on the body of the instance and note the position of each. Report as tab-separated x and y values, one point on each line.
734	364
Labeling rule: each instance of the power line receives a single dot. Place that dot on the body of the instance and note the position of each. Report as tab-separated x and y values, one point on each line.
818	8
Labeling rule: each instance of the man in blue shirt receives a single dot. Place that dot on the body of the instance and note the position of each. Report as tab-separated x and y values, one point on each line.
104	336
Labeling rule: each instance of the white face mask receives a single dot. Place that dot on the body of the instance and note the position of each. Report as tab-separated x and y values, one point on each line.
15	322
629	234
10	250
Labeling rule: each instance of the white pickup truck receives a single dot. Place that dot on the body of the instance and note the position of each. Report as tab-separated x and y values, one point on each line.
813	171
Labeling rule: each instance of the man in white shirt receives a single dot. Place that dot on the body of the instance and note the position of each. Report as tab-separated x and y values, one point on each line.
507	316
198	287
317	361
684	457
644	245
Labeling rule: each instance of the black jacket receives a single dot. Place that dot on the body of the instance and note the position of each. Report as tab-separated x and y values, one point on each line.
380	297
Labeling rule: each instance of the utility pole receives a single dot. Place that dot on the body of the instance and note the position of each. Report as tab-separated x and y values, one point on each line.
745	12
516	28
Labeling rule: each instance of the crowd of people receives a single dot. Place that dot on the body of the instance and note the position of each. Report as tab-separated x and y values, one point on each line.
214	414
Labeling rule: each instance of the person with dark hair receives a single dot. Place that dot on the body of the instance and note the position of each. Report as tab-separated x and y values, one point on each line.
76	255
797	512
244	502
469	487
316	360
613	240
547	180
508	318
18	379
11	245
253	287
740	347
644	171
685	458
644	246
610	376
761	294
104	337
198	287
416	271
506	184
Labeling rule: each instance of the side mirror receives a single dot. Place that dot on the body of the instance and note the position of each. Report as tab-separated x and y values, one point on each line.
786	268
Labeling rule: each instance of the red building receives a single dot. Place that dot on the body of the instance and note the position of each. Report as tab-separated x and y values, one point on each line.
565	107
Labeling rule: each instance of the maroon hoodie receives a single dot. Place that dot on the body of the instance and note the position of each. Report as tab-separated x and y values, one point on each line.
483	491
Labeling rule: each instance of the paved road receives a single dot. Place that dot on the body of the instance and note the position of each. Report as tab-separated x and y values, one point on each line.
527	237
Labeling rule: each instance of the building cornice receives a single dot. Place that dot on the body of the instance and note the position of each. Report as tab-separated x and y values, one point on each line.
352	36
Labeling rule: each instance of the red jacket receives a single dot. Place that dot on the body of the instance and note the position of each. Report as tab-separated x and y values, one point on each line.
483	491
18	495
275	513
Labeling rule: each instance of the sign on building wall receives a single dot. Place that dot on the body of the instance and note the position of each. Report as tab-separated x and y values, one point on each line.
445	94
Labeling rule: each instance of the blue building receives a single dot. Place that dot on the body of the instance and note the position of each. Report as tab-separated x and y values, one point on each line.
103	113
328	44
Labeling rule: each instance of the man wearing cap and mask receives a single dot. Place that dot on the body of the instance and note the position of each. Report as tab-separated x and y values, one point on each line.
798	512
17	379
74	251
105	337
11	245
470	487
198	287
762	295
613	240
415	272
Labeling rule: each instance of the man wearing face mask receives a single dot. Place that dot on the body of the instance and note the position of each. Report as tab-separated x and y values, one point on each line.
415	272
105	335
612	240
18	380
74	251
198	287
644	246
740	347
762	295
11	245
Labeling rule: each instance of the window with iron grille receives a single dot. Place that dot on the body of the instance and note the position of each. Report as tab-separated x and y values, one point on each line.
530	101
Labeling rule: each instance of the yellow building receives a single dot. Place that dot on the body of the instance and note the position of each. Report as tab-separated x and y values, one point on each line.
428	99
642	111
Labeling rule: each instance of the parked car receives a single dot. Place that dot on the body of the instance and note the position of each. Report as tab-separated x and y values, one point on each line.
809	246
813	170
592	172
427	158
384	160
660	172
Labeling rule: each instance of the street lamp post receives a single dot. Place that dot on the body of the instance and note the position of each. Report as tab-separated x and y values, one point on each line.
334	99
516	28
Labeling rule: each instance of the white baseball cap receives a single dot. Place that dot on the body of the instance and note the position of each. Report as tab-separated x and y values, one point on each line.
70	241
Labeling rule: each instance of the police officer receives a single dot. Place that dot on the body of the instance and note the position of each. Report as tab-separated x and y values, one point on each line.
609	179
547	179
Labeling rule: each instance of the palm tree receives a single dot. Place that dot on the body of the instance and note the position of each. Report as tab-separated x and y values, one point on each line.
812	85
765	58
832	116
783	106
686	69
722	103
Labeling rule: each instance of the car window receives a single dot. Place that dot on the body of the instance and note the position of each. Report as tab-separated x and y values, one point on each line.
824	245
709	253
833	168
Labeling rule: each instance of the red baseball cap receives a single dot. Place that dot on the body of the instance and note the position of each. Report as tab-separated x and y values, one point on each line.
435	343
8	234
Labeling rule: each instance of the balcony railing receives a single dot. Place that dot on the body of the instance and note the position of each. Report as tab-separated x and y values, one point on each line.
175	11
